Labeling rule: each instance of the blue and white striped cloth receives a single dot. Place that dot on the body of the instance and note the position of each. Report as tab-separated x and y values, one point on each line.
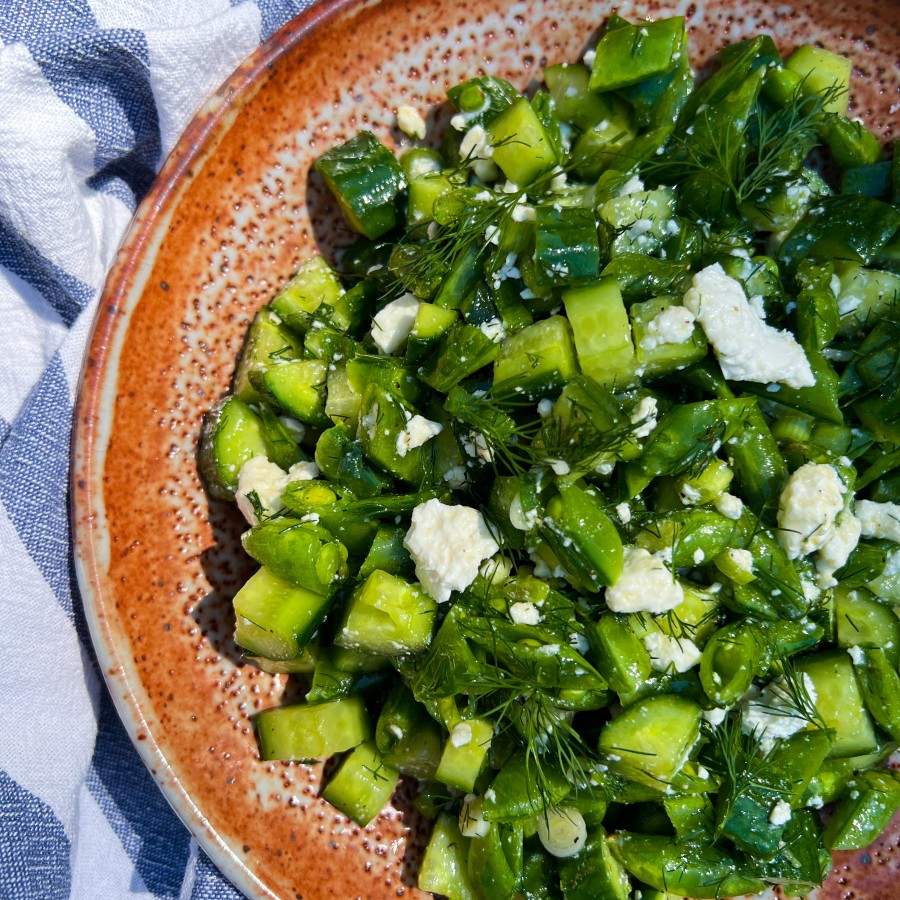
93	95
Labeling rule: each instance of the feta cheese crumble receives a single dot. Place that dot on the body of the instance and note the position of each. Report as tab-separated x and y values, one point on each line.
835	552
392	324
674	325
524	613
772	716
447	545
644	416
410	122
807	509
267	481
461	736
729	506
858	655
645	585
418	431
747	348
476	150
781	813
879	520
667	652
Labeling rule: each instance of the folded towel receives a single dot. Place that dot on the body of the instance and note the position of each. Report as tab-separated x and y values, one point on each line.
93	95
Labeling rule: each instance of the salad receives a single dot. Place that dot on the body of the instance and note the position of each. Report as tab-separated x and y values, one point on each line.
575	486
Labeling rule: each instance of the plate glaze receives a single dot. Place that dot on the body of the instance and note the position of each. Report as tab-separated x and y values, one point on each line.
231	216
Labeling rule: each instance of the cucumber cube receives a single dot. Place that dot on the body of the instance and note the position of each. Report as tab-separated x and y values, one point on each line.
365	179
298	387
465	753
301	731
537	361
267	341
231	434
387	615
566	247
362	785
821	70
602	332
275	617
650	742
315	284
633	53
839	700
522	147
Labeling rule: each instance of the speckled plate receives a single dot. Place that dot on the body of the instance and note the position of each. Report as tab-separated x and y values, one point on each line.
230	217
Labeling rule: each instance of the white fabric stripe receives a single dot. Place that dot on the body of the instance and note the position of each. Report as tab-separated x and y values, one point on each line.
100	866
188	64
49	719
145	15
34	328
43	142
190	872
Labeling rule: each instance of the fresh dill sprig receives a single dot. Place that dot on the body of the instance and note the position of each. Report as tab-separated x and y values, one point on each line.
745	162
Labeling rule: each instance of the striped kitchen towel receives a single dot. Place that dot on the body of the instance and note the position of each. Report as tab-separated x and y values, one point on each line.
93	95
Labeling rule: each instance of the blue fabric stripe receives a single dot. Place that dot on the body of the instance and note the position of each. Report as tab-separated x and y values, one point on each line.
109	181
152	835
31	20
34	464
65	293
105	78
34	849
4	430
274	13
210	884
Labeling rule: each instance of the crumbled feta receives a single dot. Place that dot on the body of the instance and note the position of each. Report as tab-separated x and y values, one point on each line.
667	652
295	427
392	324
835	552
729	506
410	122
418	431
699	556
525	613
522	212
266	481
747	348
674	325
634	185
475	149
815	802
715	716
579	642
559	179
559	466
689	495
472	823
644	416
807	509
494	330
858	655
742	559
623	511
475	444
461	736
447	545
544	408
879	520
781	813
456	477
396	730
772	716
589	57
645	585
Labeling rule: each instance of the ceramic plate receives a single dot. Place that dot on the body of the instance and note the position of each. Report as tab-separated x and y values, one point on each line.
231	216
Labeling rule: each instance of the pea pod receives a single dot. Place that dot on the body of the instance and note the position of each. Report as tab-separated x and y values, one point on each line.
729	662
683	869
